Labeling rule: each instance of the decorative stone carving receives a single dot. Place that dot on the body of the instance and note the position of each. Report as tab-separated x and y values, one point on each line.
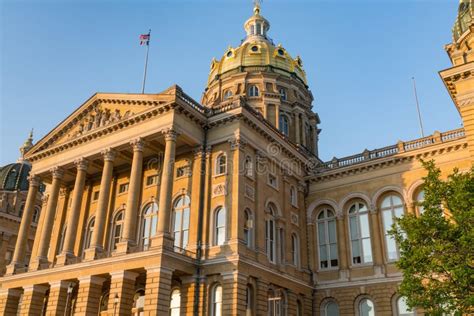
249	192
81	164
34	180
219	189
237	143
170	135
57	172
295	219
109	154
137	144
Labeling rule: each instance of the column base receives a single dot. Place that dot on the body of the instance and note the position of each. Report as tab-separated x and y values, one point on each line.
15	268
93	253
162	241
39	264
124	247
344	275
65	259
379	271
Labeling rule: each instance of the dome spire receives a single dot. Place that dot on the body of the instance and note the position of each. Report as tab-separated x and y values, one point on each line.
27	145
257	26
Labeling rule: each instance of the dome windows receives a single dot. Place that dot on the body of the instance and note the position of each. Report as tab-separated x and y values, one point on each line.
281	52
253	91
227	94
229	54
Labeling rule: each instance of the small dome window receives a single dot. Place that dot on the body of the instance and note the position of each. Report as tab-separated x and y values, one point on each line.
227	94
254	48
281	52
253	91
229	54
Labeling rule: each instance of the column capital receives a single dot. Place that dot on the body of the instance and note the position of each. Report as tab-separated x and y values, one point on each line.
57	172
237	143
34	180
199	152
109	154
44	199
81	164
137	144
170	135
63	191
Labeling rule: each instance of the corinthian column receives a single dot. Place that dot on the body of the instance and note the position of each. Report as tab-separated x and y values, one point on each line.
45	238
74	212
166	187
97	242
18	260
128	236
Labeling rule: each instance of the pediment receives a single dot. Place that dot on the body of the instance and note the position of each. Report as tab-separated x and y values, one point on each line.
100	111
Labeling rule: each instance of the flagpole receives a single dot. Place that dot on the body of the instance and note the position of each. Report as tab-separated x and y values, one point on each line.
418	107
146	61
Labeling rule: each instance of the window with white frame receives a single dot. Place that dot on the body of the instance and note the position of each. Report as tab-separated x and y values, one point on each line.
327	239
391	208
221	164
89	233
117	229
275	304
175	303
123	188
402	307
216	300
151	180
227	94
149	224
330	309
248	228
293	196
219	226
283	94
181	209
359	232
366	307
253	91
420	198
249	167
284	125
272	181
270	232
295	250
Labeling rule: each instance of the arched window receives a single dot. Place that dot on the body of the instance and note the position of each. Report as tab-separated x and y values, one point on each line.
89	233
283	94
359	230
281	243
181	221
36	215
219	226
327	239
275	303
295	250
249	301
117	228
299	308
221	164
149	224
366	307
284	125
391	208
227	94
175	303
293	196
248	166
248	228
138	303
270	232
402	307
103	302
216	300
420	198
330	309
253	91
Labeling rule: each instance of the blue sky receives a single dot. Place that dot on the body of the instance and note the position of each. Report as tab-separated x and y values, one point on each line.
359	56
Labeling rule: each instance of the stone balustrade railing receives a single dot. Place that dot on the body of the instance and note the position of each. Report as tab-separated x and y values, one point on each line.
400	147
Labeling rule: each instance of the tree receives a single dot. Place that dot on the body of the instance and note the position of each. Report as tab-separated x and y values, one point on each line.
437	247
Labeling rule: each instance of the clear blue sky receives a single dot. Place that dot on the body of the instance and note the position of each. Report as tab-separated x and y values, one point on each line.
359	57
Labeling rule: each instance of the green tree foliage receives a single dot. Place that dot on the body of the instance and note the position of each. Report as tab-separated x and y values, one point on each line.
437	248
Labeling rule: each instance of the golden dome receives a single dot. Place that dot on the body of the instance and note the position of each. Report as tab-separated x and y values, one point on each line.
257	53
464	20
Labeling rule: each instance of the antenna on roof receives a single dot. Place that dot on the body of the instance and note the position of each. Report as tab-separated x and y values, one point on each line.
418	107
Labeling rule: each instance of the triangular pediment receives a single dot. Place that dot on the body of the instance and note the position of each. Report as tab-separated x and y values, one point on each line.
98	112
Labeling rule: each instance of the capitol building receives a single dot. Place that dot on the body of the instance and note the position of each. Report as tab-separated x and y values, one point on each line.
157	204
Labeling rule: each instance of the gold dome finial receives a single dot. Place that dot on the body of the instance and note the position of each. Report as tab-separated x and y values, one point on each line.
256	6
27	145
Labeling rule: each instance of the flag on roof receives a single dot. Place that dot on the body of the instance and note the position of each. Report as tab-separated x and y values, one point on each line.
145	39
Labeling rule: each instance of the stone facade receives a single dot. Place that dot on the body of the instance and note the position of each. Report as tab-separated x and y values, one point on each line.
160	205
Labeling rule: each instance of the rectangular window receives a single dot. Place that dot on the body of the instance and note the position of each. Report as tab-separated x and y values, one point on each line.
123	188
151	180
180	172
272	181
95	196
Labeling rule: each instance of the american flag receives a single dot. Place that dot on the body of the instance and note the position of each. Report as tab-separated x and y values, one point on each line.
145	39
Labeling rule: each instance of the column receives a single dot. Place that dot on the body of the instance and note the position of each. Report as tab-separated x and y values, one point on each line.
157	291
297	128
376	241
9	300
97	242
166	188
74	212
41	261
88	296
197	192
234	287
342	246
18	259
57	298
33	300
122	287
128	235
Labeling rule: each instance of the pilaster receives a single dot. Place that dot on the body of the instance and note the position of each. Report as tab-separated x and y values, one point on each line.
33	300
88	296
158	291
122	287
57	298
